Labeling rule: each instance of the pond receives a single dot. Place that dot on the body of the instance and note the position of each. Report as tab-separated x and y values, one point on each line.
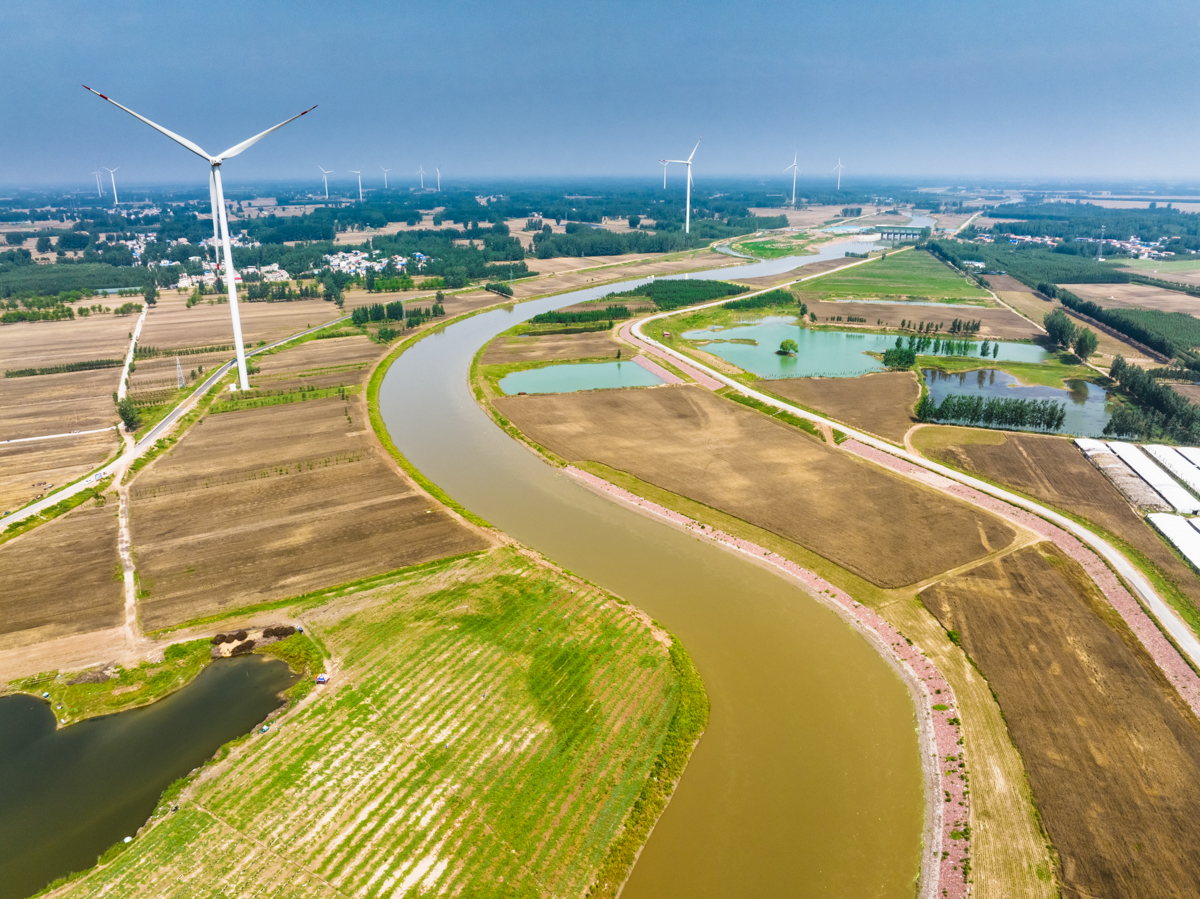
1088	406
572	377
829	354
67	794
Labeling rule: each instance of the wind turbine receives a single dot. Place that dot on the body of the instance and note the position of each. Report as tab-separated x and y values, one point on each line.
385	171
421	172
687	219
325	175
99	186
112	174
838	168
794	168
217	196
439	176
359	173
664	163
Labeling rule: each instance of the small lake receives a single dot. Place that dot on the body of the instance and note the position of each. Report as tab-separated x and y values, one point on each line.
68	794
830	354
1088	407
573	377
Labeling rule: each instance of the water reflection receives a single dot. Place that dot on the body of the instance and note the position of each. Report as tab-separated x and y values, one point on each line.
1089	407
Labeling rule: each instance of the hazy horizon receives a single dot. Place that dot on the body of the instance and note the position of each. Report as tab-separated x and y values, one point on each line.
1016	94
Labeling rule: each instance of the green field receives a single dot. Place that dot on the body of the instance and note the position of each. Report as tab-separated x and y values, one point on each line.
775	247
1162	266
911	274
489	726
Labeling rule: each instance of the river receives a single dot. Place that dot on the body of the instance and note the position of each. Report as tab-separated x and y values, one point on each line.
808	780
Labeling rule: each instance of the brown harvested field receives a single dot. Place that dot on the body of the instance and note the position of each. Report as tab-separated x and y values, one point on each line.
596	270
62	578
952	221
528	348
815	216
43	344
1006	283
1035	308
996	323
319	363
27	468
807	271
170	324
696	444
271	502
1054	471
1186	276
1136	296
155	378
880	404
1112	752
1190	391
57	404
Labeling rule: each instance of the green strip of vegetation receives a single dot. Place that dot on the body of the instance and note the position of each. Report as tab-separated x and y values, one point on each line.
683	733
91	365
778	414
679	292
262	399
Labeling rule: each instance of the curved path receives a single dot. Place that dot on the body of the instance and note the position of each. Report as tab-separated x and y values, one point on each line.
1164	615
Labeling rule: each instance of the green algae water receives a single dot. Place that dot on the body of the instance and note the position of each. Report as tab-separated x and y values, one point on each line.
67	795
808	781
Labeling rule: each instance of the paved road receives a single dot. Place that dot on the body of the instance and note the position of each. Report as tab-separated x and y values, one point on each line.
1166	617
147	440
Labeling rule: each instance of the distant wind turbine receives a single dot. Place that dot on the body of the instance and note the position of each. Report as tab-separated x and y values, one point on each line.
794	168
664	164
359	173
439	176
385	171
421	172
838	168
99	184
325	175
217	196
687	216
113	176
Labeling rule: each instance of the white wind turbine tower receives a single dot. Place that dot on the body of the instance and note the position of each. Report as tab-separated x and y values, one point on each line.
421	172
838	168
664	164
794	168
99	186
439	177
385	171
687	216
112	174
359	173
217	196
325	175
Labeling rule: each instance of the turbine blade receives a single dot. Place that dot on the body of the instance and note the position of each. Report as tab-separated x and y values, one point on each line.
238	148
195	148
694	149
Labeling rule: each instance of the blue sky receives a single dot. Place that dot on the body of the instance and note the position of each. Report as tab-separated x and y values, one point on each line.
953	90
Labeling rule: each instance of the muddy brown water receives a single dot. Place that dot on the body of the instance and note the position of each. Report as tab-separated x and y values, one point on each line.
808	781
67	794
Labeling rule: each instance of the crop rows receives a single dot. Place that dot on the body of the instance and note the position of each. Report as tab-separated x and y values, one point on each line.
492	734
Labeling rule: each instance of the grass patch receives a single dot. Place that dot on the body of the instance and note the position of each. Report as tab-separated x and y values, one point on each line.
916	274
1045	374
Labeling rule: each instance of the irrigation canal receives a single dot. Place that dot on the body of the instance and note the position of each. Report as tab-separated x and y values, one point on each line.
808	781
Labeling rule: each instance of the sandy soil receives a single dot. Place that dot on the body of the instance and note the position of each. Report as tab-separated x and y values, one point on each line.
1112	752
879	404
688	441
1136	296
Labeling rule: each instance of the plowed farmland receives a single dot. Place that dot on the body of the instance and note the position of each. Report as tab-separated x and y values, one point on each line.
1137	296
61	578
28	470
43	344
488	727
270	502
1112	752
1054	471
693	443
530	348
880	404
319	363
171	324
57	404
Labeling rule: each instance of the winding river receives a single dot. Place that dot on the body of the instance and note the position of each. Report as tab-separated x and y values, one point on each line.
808	781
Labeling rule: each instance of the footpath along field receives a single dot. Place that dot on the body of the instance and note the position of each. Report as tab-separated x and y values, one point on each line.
489	727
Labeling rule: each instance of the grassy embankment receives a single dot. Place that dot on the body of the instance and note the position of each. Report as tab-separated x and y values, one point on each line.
493	725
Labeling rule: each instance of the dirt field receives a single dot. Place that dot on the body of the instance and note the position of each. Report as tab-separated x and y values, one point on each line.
171	324
1184	272
1035	309
1053	470
26	467
880	404
42	344
691	442
1136	296
57	404
319	363
996	323
1113	754
816	216
808	271
62	578
272	502
488	729
600	269
1191	391
523	348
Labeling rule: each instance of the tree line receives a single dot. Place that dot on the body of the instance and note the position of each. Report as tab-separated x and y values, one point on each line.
674	293
1163	413
609	313
1003	412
